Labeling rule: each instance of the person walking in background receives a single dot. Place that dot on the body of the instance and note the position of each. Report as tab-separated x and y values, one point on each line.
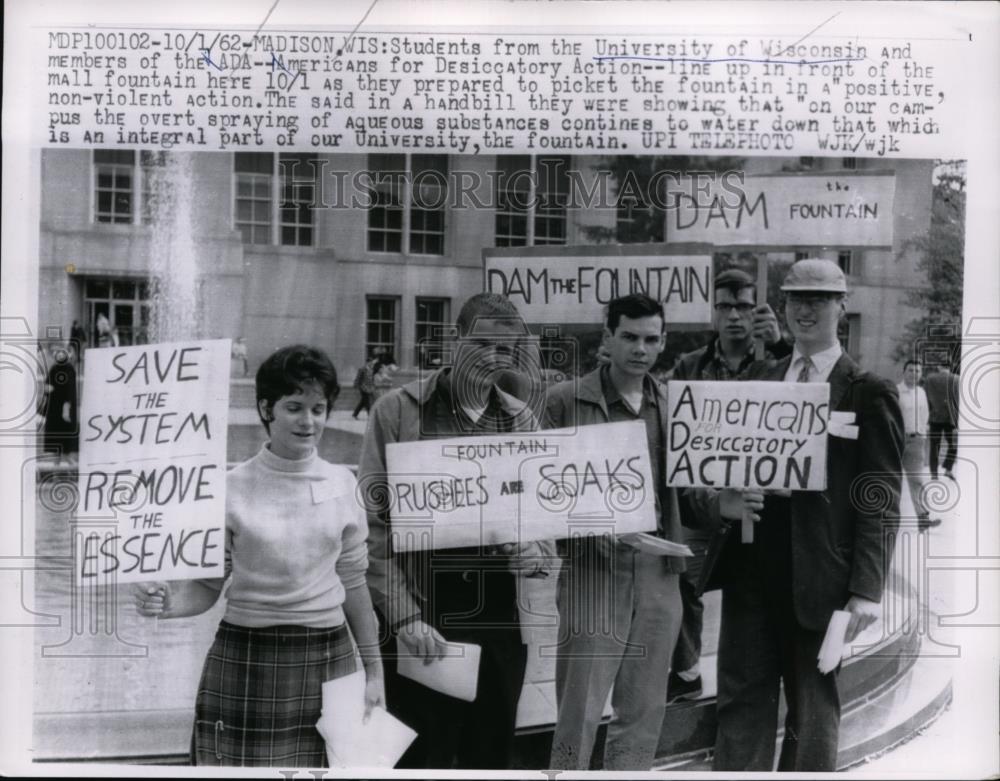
61	429
913	403
427	598
942	388
619	607
738	321
296	555
107	335
813	552
383	376
78	337
364	384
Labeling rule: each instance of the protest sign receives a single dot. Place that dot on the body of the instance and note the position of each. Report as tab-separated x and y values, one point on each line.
831	209
502	488
765	435
572	285
153	462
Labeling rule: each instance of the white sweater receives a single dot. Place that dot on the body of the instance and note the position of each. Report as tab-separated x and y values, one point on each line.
295	540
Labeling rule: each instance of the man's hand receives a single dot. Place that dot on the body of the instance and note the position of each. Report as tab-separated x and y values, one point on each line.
733	503
422	640
863	612
765	325
528	559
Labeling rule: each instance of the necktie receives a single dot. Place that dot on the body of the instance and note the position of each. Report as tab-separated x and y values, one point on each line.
807	364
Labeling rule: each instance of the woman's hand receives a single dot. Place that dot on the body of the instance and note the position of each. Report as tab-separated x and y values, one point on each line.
152	600
374	688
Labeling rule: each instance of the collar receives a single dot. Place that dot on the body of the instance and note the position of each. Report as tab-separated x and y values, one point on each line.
611	393
279	464
823	361
715	353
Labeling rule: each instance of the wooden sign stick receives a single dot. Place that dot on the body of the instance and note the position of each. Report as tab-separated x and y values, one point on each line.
759	346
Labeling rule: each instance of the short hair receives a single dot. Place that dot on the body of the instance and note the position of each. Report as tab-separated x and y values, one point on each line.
289	370
910	363
484	305
734	280
633	306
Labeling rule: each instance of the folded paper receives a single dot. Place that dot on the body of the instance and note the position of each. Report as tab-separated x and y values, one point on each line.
456	675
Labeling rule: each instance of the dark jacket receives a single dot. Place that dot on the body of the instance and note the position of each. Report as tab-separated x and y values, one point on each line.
841	538
580	402
399	583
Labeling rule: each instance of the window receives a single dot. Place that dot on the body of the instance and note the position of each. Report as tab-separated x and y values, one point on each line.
807	163
801	256
298	196
432	316
844	260
849	163
125	302
407	213
380	331
531	200
849	334
114	185
258	217
637	221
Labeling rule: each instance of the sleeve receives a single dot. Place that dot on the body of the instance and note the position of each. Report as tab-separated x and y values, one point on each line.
352	565
699	508
386	581
876	486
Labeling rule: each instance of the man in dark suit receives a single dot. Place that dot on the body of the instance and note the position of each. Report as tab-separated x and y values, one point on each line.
813	552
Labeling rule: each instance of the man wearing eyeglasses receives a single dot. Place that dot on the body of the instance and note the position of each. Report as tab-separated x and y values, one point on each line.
738	321
813	551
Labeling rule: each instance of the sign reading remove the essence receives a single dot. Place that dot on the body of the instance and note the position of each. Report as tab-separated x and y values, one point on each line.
502	488
565	289
153	463
748	435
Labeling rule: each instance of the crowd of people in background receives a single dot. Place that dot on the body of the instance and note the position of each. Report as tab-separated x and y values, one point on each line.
630	620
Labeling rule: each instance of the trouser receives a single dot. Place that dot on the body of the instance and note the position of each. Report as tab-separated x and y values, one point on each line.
453	733
364	403
688	651
913	467
761	646
619	617
942	432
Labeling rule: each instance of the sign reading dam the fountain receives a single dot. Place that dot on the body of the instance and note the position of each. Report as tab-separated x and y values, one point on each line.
502	488
153	462
572	285
768	435
797	210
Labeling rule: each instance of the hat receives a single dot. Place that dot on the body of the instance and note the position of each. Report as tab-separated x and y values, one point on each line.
814	275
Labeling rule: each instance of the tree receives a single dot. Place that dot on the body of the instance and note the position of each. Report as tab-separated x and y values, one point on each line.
938	327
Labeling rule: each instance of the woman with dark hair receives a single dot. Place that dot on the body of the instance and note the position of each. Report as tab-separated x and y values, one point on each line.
296	556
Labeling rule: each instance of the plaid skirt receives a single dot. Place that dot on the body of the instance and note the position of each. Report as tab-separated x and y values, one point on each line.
260	695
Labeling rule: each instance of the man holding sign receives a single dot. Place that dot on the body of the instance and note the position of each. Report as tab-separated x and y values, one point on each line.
619	605
815	552
468	595
738	321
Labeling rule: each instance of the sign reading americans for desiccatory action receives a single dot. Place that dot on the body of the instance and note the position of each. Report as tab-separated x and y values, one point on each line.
768	435
152	479
502	488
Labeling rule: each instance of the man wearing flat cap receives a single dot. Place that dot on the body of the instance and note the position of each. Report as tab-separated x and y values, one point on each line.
812	553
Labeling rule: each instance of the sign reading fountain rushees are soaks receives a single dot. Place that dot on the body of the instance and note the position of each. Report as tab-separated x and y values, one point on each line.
509	488
152	485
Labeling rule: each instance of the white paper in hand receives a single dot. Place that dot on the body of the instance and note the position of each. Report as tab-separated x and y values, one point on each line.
650	543
833	648
457	675
350	742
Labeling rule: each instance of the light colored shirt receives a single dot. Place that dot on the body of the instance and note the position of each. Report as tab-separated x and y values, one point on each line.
295	541
822	364
913	403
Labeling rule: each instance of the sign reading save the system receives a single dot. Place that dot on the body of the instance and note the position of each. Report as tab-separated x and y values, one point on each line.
502	488
153	463
566	288
768	435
